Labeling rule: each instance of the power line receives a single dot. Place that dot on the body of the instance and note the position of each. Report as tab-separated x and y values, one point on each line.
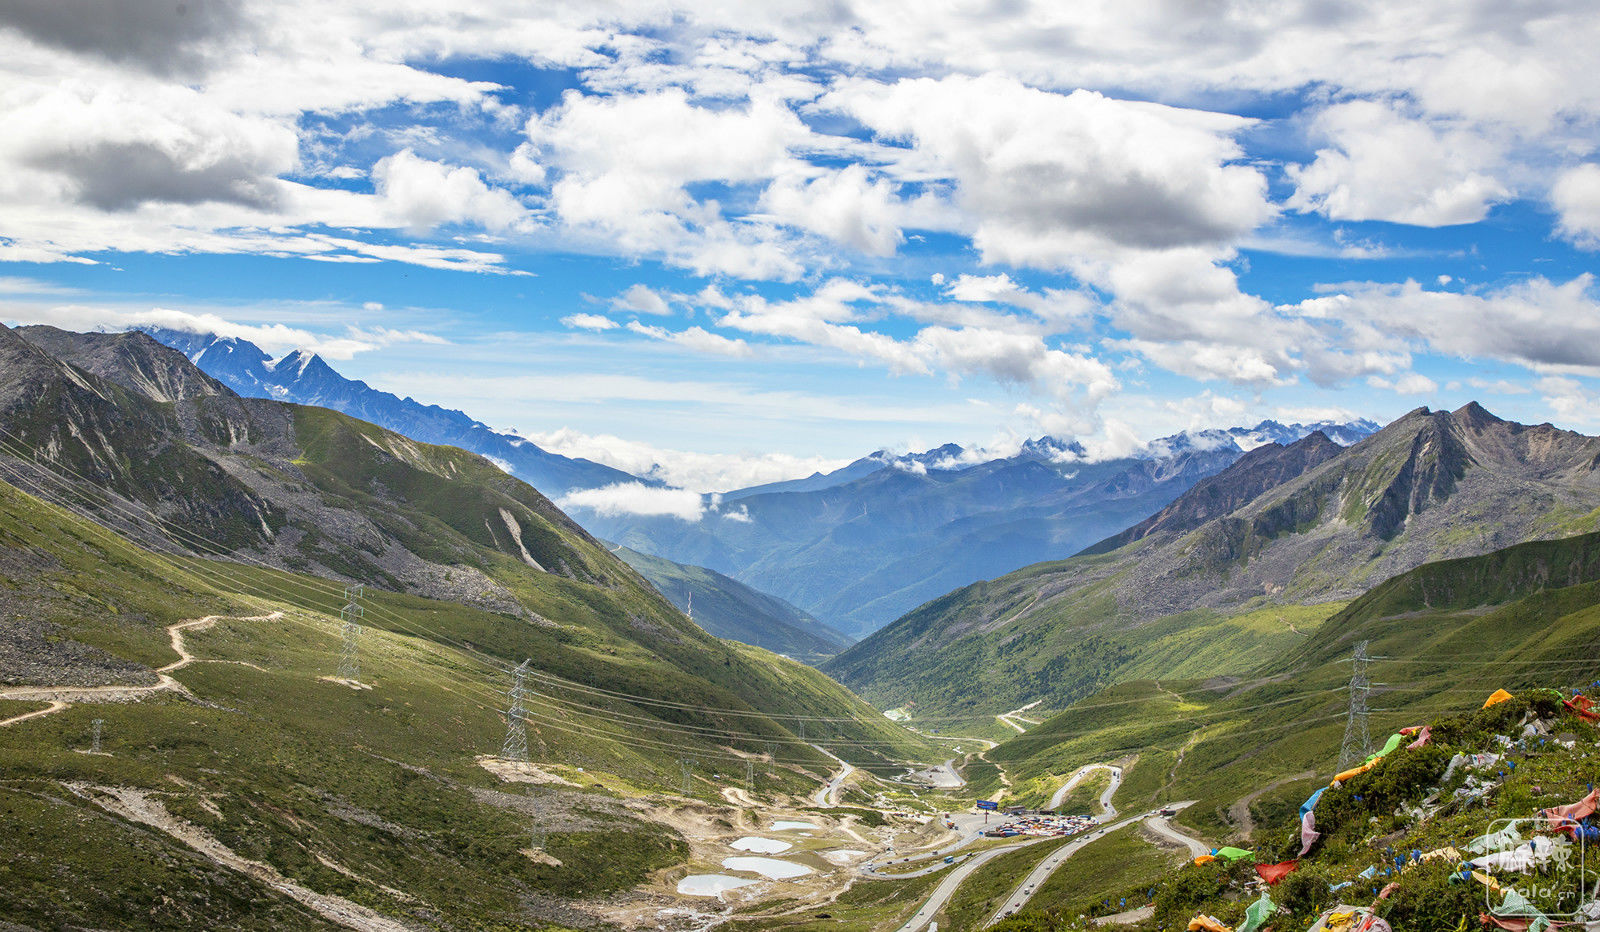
431	637
440	641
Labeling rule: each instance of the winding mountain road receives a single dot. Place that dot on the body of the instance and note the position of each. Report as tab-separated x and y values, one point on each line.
62	697
946	889
1165	829
828	796
1060	794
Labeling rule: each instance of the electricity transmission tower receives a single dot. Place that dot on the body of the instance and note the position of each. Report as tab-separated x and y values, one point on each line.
515	747
687	763
772	757
350	627
94	747
1357	739
749	774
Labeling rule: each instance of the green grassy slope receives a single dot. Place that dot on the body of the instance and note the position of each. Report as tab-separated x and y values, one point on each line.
323	782
349	500
1402	805
1449	634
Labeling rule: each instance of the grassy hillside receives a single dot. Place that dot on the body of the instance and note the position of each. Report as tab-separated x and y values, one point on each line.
1448	633
372	791
351	792
1377	825
317	492
729	609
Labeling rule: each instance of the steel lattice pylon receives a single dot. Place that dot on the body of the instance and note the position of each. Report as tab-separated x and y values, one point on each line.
515	747
1357	739
350	627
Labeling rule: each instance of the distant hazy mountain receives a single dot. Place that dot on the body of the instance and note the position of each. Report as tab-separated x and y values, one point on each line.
861	545
304	378
1211	583
730	609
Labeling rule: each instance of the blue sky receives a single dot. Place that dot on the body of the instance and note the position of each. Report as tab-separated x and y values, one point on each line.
744	241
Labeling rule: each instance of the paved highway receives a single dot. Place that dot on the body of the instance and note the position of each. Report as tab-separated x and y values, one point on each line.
947	889
828	796
1036	878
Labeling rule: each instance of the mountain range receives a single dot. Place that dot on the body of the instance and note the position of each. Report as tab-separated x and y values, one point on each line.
306	378
863	544
1239	566
219	730
853	548
134	436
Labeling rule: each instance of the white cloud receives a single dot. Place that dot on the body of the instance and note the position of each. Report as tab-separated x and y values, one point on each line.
1536	323
594	322
1051	178
425	194
851	207
1576	197
695	338
619	167
982	288
641	299
636	498
1499	386
1412	383
1570	399
1383	164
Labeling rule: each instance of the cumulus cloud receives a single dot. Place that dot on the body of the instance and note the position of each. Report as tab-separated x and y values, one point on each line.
619	167
853	208
1570	399
114	148
157	37
641	299
1412	383
1384	164
1576	197
425	194
833	315
636	498
1537	323
1048	178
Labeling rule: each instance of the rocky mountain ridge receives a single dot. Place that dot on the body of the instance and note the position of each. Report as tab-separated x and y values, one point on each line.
1283	530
